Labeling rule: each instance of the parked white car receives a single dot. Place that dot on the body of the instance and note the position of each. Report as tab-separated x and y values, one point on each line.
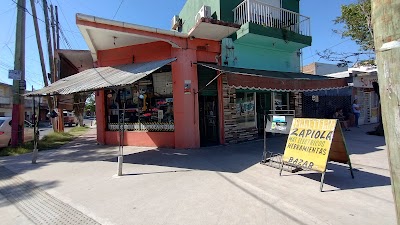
5	131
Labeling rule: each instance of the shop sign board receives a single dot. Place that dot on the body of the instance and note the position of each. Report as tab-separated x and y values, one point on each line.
187	87
14	74
313	142
365	81
279	123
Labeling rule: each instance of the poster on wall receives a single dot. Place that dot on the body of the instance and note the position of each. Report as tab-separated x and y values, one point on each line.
279	123
187	86
245	109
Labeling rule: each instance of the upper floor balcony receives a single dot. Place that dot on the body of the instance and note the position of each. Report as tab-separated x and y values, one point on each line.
270	16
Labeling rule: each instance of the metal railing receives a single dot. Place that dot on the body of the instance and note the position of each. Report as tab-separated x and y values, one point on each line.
270	16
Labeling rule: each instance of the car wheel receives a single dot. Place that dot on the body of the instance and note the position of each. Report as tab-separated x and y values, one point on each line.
76	124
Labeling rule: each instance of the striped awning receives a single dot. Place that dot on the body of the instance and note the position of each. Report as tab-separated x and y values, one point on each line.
101	77
264	80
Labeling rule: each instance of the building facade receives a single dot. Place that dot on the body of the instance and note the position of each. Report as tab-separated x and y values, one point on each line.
317	68
6	104
207	81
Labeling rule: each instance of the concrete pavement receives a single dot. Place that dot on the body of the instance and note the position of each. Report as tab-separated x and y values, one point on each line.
215	185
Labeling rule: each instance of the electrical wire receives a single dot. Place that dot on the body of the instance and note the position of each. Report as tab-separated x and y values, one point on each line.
118	8
27	11
65	18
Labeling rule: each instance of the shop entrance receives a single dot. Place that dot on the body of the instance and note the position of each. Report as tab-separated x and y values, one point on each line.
208	124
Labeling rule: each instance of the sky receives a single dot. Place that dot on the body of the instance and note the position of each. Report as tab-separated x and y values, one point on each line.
154	13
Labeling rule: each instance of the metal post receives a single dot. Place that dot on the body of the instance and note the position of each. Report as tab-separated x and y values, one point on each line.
121	136
120	158
35	150
322	182
248	11
280	169
265	139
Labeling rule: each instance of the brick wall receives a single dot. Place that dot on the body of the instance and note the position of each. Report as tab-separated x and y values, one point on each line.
233	133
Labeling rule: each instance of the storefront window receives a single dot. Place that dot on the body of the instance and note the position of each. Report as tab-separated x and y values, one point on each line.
280	101
245	109
148	104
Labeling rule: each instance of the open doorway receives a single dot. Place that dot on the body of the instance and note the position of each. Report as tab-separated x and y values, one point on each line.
208	124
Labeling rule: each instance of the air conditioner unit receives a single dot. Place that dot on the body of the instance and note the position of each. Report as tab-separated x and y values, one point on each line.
204	12
175	23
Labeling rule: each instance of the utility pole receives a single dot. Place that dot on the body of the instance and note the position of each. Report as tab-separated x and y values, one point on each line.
60	118
50	51
39	43
49	48
57	29
18	111
386	24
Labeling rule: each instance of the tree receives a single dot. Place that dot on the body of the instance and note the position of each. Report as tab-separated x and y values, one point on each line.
356	19
90	104
79	105
357	25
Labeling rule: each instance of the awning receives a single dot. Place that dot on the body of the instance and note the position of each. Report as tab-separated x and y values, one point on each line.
101	77
264	80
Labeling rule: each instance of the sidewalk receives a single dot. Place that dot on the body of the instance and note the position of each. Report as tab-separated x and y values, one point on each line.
215	185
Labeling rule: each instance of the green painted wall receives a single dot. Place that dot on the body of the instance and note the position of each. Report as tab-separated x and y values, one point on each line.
275	33
292	5
226	9
259	57
192	7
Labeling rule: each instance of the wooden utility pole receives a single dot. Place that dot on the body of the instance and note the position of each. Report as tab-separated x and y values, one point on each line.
386	23
18	111
48	37
50	53
57	29
39	43
60	118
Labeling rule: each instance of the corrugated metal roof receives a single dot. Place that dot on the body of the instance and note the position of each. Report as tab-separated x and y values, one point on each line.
264	73
102	77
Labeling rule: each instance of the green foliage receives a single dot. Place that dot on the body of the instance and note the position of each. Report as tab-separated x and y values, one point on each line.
356	19
50	141
90	103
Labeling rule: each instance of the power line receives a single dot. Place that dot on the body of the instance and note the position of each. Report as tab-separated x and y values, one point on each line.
65	18
118	8
8	10
64	37
328	48
26	10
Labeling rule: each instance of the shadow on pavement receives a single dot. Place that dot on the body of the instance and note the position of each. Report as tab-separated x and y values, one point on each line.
339	177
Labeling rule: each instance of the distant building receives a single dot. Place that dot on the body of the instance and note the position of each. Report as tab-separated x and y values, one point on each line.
6	104
317	68
360	80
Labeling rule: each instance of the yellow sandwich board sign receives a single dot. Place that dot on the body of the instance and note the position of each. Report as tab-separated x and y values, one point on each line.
313	142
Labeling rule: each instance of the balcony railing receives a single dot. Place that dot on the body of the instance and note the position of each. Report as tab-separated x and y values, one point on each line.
270	16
